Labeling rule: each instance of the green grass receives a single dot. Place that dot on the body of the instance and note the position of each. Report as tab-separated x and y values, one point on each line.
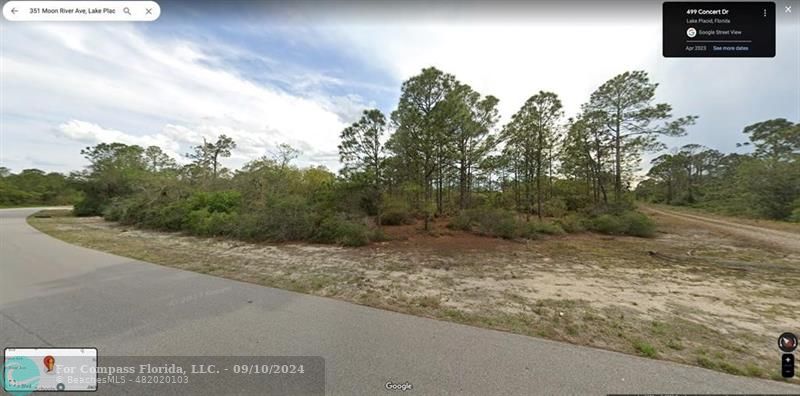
705	361
645	349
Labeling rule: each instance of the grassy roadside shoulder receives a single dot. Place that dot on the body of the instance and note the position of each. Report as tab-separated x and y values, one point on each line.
600	291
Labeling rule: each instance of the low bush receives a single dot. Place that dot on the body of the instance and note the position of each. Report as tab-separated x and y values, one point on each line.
555	207
638	224
506	227
377	235
608	224
220	201
131	210
173	216
502	223
795	215
462	222
115	211
539	227
488	221
572	223
284	220
207	214
339	230
89	206
204	223
625	223
397	216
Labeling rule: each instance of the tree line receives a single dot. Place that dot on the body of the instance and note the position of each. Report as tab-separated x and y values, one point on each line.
35	187
762	184
442	155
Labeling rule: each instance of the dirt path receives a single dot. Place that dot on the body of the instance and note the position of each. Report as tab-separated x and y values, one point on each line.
786	240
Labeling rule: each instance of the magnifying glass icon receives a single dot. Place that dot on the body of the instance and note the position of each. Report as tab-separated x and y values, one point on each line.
127	11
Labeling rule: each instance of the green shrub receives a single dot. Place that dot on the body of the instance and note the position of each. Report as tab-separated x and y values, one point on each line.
501	223
495	222
624	204
173	217
555	207
571	223
626	223
795	216
130	210
645	349
397	216
220	201
462	222
114	211
288	219
140	211
377	235
608	224
204	223
638	224
341	231
538	227
90	205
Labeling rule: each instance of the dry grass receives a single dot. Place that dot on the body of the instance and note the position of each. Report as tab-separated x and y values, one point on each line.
689	295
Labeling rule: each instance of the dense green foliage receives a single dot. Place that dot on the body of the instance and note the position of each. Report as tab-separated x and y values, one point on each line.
765	183
265	201
625	223
34	187
503	223
441	154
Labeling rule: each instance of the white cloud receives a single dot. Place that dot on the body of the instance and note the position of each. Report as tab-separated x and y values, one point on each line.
95	81
90	133
511	60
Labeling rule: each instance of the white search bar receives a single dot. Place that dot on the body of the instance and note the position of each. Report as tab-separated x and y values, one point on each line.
82	11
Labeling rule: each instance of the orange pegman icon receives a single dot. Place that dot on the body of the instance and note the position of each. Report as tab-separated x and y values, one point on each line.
49	362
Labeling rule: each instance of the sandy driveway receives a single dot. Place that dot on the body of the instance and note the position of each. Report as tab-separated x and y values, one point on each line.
784	239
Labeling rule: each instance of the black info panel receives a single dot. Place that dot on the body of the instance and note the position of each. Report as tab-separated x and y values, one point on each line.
719	29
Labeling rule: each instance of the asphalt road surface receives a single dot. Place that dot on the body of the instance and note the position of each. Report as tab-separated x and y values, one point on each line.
56	294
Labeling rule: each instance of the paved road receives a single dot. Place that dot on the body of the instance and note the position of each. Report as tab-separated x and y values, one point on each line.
56	294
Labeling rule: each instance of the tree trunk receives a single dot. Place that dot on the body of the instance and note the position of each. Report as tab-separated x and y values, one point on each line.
538	194
618	165
669	190
378	215
463	185
439	192
539	165
215	166
550	173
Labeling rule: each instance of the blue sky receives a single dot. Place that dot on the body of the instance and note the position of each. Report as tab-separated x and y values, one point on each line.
272	73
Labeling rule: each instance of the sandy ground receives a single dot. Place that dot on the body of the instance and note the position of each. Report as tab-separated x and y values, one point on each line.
697	293
783	239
